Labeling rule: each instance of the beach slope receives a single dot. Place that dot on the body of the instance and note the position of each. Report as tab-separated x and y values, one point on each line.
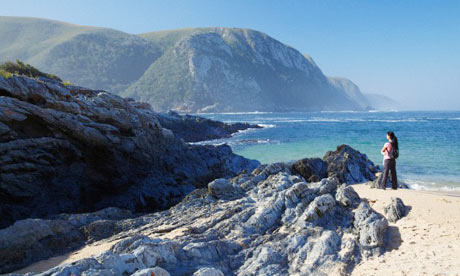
425	242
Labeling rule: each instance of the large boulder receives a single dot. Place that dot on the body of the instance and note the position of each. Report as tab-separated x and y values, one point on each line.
71	149
370	227
395	210
312	169
347	196
349	165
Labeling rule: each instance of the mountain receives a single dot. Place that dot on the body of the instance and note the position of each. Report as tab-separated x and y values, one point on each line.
352	91
381	102
189	70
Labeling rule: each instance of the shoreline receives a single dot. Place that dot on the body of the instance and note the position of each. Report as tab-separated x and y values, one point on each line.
424	242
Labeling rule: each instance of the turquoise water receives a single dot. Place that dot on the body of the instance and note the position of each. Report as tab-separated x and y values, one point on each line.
429	141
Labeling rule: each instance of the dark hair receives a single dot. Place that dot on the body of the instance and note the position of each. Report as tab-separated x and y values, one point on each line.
394	139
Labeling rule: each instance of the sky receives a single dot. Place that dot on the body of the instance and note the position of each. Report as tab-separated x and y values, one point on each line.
407	50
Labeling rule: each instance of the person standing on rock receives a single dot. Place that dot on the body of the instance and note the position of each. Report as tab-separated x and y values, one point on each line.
390	152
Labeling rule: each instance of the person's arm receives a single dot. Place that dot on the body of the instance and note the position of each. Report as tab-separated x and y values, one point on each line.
384	149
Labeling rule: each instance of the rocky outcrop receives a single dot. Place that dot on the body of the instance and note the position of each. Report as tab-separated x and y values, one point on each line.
349	165
31	240
195	129
395	210
267	222
312	169
71	149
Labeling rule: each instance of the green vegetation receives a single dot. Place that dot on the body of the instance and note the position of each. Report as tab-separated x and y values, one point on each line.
66	83
5	74
19	68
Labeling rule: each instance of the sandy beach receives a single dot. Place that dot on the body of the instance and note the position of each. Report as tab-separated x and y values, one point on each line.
425	242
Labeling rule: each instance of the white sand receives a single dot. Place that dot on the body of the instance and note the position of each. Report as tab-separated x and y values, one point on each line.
425	242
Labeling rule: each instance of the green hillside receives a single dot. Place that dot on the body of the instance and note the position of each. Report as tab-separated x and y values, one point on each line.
94	57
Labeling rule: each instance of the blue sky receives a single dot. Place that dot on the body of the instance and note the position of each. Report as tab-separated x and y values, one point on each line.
408	50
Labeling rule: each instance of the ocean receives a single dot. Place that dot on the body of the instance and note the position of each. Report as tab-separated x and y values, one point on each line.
429	142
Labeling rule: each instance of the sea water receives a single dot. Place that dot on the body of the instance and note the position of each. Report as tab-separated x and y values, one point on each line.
429	142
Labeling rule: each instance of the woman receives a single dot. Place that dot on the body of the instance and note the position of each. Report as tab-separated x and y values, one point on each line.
389	161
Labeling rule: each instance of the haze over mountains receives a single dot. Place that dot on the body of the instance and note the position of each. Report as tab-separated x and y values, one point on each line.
188	70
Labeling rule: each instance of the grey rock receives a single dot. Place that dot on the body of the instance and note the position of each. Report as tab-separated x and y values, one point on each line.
278	225
320	206
349	165
98	272
113	261
196	129
68	149
36	239
395	210
157	271
223	189
31	240
76	268
347	196
208	271
370	226
312	169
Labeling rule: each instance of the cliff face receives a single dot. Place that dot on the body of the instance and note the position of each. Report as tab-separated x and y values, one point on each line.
223	69
193	70
72	149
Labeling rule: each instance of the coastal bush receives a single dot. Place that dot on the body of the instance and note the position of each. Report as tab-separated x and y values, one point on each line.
5	74
19	68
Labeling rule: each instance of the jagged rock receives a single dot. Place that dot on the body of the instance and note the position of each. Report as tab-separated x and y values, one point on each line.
208	271
78	220
36	239
113	261
312	169
195	129
347	196
89	265
263	231
31	240
222	188
98	272
370	226
319	207
349	165
395	210
156	271
71	149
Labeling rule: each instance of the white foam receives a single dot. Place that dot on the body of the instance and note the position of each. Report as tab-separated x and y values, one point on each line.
433	185
267	125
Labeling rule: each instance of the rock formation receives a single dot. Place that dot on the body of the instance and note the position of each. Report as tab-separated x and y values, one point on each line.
71	149
195	129
266	222
395	210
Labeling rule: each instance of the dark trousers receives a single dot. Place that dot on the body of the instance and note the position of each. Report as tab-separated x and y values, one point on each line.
390	165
